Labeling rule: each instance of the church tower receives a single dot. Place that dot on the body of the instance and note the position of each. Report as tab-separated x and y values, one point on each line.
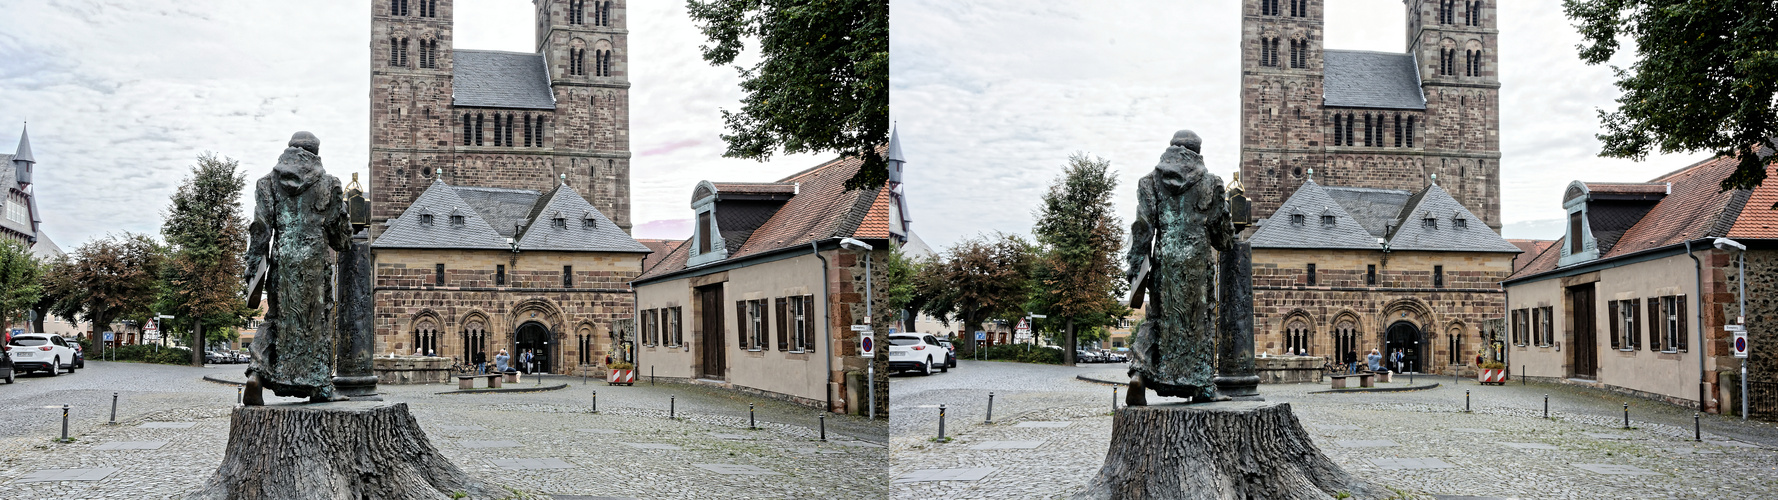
1281	77
1455	43
585	44
410	101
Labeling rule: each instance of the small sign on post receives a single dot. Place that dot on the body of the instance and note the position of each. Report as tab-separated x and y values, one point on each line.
108	336
867	346
981	336
1739	341
1024	327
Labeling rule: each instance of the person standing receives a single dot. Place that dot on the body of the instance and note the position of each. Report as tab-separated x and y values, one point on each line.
1351	361
481	362
1395	360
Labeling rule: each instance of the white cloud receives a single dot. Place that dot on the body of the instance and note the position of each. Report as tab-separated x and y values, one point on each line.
123	95
991	97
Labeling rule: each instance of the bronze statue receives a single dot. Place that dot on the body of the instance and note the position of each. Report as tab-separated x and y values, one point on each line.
1182	219
299	221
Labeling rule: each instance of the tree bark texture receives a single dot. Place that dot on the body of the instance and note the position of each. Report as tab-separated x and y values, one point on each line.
1228	450
335	451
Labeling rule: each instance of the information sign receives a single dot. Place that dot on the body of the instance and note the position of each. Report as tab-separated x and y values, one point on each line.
981	336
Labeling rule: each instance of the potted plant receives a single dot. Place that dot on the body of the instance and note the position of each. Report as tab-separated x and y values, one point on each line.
620	373
1492	372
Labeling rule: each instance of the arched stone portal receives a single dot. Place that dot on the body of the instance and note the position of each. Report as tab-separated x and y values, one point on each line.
534	337
1410	340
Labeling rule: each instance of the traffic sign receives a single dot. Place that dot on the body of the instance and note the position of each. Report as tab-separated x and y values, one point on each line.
1024	327
981	336
1740	341
867	346
107	336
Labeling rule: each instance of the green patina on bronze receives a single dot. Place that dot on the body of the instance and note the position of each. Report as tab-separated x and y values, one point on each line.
299	221
1182	221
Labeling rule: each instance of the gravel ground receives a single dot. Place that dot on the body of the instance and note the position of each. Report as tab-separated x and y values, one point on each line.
626	450
1554	458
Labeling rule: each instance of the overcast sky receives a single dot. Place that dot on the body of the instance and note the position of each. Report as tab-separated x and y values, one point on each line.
991	96
122	95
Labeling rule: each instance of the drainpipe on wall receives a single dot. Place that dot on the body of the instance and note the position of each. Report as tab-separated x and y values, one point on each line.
826	330
1698	272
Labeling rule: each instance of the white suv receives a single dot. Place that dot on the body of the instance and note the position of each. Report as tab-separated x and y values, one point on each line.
40	352
916	351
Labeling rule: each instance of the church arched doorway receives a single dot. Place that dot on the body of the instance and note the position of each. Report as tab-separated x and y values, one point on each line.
1406	337
533	336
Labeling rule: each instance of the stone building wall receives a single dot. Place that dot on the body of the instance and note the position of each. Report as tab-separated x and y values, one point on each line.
1762	312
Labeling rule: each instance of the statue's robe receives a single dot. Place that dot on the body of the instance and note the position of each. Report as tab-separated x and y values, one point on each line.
1181	221
299	220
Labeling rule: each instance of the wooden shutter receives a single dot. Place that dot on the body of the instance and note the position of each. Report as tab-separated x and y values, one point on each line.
741	322
1611	312
810	322
1684	333
1656	324
1635	323
783	324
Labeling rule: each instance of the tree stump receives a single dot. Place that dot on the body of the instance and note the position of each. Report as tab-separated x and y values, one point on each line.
1228	450
328	451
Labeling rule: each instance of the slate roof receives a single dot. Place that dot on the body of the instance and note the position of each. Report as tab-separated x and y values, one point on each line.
1693	209
574	236
1312	202
496	79
23	153
480	205
822	209
1365	79
755	187
1412	233
1362	214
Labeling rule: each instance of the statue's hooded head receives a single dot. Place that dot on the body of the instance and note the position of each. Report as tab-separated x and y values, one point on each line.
300	165
1181	166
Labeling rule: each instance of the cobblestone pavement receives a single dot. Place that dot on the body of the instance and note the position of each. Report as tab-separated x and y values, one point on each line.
1051	431
544	442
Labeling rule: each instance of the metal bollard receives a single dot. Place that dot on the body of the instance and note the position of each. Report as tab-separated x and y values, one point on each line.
1546	406
64	423
1466	401
672	407
1114	398
595	400
750	421
1697	430
113	408
239	391
1522	381
823	426
1626	415
651	375
941	422
990	418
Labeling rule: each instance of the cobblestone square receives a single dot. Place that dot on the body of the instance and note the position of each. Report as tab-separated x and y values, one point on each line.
1502	448
172	427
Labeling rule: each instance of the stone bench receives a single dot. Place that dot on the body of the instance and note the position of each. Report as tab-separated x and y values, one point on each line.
468	381
1384	377
1367	380
1339	381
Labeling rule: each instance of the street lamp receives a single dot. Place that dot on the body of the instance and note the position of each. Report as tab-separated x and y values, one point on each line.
1740	251
870	374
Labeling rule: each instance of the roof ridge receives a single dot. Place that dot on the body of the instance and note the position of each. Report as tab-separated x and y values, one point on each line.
491	51
1377	52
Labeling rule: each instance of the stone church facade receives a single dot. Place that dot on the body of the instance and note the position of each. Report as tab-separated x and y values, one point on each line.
1371	119
499	119
1374	179
499	188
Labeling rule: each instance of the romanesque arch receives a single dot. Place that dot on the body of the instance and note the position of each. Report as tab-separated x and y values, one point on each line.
1297	333
422	333
538	325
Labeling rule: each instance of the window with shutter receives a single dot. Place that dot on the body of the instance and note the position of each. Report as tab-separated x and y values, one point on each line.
1633	319
1655	332
811	324
1549	330
1611	312
783	325
741	323
1680	319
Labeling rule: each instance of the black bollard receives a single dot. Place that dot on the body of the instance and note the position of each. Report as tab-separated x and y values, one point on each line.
823	426
990	418
750	421
595	400
113	408
64	423
672	407
1626	415
1546	406
1466	401
941	422
651	375
239	390
1522	375
1697	431
1114	398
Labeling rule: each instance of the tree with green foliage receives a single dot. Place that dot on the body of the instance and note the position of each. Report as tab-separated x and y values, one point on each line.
821	83
979	279
1705	78
116	278
207	231
20	282
900	291
1079	275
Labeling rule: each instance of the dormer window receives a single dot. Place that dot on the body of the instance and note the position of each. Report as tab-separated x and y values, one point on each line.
1328	219
425	219
1297	219
559	221
704	232
587	221
1428	221
457	220
1459	222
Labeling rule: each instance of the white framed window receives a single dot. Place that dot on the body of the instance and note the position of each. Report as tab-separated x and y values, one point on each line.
756	324
676	330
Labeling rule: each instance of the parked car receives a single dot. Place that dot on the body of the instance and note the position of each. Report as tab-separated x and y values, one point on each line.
1116	357
6	365
79	352
41	352
950	353
1085	356
916	351
220	357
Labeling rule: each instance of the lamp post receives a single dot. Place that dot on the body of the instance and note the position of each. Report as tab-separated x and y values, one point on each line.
870	374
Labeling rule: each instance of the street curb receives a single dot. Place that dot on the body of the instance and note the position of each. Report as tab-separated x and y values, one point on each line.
509	389
208	378
1376	389
1099	381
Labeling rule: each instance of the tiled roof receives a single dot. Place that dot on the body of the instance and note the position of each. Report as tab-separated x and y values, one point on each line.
503	208
1694	209
822	209
1365	79
1375	209
495	79
876	222
573	234
755	187
1312	202
1759	217
1445	235
1532	248
1627	187
442	202
660	250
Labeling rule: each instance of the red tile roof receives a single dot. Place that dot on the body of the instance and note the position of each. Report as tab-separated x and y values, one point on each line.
660	247
1531	248
821	209
1759	218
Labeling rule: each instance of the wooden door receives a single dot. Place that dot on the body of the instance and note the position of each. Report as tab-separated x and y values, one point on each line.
710	338
1585	347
